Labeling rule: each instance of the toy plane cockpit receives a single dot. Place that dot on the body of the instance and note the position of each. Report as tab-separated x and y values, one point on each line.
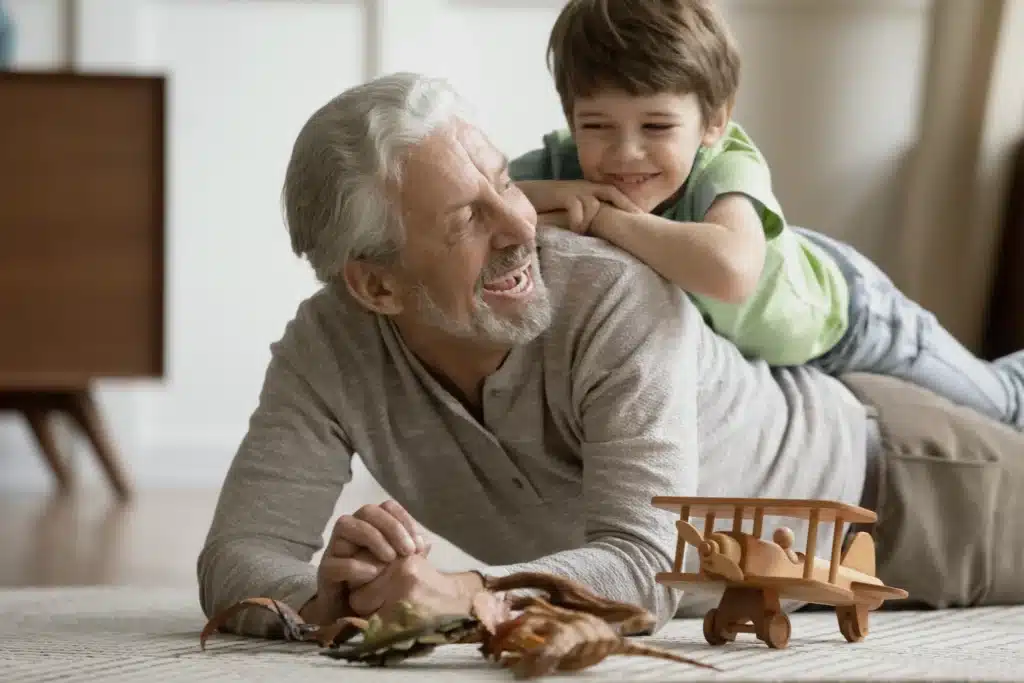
753	575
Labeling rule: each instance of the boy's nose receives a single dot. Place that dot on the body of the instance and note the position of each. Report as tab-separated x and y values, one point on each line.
629	148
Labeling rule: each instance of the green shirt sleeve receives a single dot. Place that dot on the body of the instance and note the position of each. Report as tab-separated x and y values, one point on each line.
799	308
534	165
555	160
743	172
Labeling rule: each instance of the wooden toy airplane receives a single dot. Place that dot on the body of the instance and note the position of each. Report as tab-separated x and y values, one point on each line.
753	575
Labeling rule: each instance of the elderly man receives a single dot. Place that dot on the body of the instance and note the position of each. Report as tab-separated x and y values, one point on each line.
525	394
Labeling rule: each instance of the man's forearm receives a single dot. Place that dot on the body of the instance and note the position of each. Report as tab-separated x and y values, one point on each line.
237	569
616	569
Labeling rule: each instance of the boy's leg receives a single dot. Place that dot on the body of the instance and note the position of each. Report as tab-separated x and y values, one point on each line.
891	335
949	494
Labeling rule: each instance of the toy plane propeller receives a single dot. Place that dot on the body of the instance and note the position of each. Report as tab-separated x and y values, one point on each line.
753	575
713	560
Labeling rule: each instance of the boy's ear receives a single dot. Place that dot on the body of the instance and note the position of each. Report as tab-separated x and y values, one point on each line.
717	124
374	287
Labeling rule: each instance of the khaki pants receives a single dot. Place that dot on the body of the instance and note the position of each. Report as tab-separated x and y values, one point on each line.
949	493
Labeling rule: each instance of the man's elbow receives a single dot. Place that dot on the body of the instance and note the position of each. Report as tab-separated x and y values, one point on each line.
661	601
217	560
663	606
205	570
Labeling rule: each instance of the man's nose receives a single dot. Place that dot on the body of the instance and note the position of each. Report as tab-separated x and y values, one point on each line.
515	223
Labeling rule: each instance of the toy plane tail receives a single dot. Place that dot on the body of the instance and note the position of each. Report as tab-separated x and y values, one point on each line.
861	554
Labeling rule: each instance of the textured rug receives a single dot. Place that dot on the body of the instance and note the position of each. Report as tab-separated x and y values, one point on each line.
140	634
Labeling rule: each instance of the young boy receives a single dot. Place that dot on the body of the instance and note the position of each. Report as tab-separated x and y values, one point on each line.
653	163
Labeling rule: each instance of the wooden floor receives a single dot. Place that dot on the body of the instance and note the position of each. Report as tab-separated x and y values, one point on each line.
88	538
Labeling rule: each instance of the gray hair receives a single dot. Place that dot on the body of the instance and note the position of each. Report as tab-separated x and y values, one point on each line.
347	159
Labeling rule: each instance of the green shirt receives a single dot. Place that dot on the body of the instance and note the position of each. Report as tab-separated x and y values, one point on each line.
799	309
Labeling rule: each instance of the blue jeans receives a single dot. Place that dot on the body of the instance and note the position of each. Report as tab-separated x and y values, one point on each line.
891	335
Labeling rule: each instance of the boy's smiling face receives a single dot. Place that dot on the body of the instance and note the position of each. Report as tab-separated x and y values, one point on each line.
643	145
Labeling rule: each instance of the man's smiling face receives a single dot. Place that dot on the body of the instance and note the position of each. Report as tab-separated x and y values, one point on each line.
469	264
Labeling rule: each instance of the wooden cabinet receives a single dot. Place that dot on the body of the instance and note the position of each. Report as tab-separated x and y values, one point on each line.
82	165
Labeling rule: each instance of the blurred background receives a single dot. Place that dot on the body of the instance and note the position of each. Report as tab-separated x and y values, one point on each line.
892	124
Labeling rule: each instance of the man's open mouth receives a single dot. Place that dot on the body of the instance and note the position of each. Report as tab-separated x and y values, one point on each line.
513	283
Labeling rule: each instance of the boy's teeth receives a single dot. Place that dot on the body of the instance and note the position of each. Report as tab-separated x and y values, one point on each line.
635	179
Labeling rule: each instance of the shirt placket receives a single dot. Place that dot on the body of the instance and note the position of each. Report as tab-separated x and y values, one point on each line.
496	410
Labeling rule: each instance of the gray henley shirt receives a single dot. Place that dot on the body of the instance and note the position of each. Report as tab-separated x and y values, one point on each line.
628	395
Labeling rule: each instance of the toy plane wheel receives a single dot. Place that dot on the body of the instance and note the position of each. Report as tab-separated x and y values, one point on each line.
853	622
775	630
715	632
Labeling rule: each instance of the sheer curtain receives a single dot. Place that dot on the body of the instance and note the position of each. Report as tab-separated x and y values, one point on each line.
972	118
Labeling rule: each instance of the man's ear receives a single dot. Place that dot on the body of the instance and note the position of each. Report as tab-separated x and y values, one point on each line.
717	124
374	287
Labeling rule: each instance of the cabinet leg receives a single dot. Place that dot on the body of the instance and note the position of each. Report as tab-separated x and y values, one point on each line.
39	421
83	409
38	405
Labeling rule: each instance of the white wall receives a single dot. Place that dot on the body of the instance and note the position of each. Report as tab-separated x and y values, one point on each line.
829	92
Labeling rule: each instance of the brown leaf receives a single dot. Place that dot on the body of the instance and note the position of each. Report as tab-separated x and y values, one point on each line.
546	638
564	592
295	628
490	610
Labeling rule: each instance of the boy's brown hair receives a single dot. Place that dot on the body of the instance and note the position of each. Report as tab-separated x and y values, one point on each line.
644	47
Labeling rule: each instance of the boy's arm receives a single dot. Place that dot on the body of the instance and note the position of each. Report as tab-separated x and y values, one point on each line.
551	179
795	311
721	257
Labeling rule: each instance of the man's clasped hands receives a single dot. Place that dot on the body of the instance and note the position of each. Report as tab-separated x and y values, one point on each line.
377	557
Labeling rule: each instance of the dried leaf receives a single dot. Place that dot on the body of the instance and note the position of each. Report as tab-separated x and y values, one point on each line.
563	592
295	628
546	638
385	646
490	610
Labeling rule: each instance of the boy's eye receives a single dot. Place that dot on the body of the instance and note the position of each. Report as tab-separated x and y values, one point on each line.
659	126
593	126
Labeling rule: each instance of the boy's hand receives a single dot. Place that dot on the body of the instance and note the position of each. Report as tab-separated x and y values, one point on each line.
579	199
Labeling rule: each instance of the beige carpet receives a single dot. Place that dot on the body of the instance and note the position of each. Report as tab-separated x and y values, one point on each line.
138	634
